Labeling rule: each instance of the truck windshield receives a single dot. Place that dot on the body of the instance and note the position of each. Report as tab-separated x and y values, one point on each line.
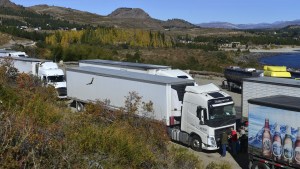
222	112
56	78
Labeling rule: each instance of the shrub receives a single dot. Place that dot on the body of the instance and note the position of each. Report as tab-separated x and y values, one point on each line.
184	159
214	165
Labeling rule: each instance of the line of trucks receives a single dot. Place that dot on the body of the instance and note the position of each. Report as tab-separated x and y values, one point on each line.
197	115
194	115
46	70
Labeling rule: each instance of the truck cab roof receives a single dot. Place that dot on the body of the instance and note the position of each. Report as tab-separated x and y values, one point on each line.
51	72
49	65
202	89
209	92
175	73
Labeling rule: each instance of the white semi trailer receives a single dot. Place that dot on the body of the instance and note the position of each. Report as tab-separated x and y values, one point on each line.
12	53
46	70
137	67
194	115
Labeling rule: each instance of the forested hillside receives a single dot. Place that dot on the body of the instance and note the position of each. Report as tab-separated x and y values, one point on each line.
111	36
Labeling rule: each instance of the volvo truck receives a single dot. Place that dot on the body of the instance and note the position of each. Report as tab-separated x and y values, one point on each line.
46	70
194	115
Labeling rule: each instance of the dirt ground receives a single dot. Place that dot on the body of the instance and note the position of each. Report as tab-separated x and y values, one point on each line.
240	161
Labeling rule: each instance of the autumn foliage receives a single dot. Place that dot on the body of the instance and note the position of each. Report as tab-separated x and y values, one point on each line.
102	36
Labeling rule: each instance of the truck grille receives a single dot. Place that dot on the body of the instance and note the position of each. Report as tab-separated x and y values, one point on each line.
62	91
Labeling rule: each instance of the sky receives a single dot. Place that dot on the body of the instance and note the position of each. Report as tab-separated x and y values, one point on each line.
194	11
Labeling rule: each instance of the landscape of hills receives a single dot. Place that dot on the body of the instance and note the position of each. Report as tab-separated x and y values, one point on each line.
227	25
120	18
133	18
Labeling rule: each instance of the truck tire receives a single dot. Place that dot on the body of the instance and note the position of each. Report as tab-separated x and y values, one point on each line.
196	143
79	106
257	165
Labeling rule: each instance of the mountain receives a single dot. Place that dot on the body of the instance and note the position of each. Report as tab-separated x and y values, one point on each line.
226	25
7	3
71	15
129	13
179	23
120	18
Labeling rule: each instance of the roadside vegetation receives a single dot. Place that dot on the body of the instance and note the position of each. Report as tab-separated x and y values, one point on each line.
38	131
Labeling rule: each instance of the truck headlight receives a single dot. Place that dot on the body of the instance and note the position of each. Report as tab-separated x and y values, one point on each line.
211	141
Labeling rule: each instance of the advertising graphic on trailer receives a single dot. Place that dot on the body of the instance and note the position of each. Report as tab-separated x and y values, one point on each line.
274	134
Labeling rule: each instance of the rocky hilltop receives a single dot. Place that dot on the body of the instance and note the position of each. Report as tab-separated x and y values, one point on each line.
7	3
129	13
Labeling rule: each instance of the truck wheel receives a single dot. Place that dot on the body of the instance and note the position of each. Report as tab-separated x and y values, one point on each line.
79	106
258	165
196	143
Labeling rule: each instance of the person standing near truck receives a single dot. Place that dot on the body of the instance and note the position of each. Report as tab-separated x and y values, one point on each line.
243	140
233	139
224	143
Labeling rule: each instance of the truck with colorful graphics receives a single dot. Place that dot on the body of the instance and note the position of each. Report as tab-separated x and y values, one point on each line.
274	132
